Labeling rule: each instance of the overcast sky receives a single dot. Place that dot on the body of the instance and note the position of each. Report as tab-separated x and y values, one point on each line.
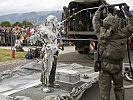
21	6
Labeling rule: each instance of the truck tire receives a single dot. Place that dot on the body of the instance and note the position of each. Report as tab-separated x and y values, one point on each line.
81	52
86	51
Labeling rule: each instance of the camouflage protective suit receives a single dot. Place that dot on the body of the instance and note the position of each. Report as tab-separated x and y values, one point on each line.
112	47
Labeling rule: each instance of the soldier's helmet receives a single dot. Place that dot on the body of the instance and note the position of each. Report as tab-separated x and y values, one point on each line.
110	21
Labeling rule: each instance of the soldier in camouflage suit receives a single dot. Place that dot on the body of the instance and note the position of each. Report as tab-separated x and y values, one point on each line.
112	38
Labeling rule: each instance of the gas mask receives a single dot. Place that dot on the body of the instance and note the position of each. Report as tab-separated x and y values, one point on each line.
111	21
51	22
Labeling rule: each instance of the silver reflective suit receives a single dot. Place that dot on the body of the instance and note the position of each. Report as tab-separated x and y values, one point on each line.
112	48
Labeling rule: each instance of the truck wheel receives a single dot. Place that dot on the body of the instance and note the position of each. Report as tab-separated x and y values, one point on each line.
81	52
86	51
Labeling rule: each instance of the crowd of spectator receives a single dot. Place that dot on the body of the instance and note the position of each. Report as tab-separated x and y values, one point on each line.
8	35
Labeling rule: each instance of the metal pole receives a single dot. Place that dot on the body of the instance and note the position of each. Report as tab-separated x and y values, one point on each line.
11	41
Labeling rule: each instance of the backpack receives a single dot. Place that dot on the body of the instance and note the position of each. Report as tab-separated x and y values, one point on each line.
114	46
29	55
115	50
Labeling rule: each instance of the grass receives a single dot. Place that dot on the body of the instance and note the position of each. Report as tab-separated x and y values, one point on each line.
6	55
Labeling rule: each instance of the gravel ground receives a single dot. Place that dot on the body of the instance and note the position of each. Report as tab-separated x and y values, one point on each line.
10	65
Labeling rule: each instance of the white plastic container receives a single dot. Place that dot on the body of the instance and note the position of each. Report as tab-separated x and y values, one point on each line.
68	76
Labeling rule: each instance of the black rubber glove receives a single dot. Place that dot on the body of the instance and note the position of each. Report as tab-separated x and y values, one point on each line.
101	7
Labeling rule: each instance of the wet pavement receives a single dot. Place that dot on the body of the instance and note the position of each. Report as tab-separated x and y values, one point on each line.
70	56
87	60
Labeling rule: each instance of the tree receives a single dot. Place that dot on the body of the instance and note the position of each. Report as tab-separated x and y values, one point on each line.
17	23
5	24
26	23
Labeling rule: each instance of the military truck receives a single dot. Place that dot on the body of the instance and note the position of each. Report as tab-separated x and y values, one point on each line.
79	23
